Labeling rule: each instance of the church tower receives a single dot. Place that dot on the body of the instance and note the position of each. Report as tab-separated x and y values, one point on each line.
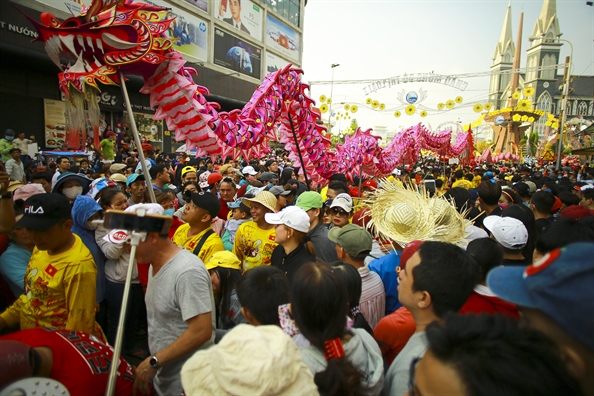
544	51
502	61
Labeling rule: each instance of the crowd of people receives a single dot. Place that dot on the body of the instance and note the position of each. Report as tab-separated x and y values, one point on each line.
434	280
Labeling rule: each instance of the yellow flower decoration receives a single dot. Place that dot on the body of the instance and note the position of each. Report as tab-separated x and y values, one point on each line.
548	123
524	118
528	91
555	125
516	95
524	104
423	114
329	100
477	108
516	117
450	104
465	127
337	118
382	106
488	106
375	104
410	110
354	108
368	101
324	108
458	99
347	107
531	119
397	114
323	98
473	125
440	106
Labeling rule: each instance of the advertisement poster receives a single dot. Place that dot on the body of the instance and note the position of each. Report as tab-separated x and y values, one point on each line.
241	14
190	33
201	4
235	54
282	38
55	122
274	63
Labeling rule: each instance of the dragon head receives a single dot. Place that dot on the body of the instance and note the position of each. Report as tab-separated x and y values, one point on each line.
107	36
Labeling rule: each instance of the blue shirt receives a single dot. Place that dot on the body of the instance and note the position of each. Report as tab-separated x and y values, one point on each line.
13	265
385	267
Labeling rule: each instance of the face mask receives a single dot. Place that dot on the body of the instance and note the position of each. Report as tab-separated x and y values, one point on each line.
72	192
92	226
9	138
169	212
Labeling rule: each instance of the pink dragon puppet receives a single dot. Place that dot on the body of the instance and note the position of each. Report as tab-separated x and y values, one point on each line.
113	36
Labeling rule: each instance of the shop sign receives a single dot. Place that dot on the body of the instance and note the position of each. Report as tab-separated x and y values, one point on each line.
23	30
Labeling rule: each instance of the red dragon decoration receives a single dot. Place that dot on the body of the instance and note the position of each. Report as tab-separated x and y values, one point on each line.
114	35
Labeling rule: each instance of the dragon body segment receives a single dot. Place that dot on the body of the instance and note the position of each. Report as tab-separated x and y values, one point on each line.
122	35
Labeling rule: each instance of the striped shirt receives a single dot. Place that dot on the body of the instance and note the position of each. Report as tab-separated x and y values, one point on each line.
373	297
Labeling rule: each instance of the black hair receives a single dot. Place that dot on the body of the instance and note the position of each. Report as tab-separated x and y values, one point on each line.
337	177
489	192
563	232
354	285
83	160
107	196
512	195
543	201
156	170
228	279
568	198
494	356
459	174
487	254
526	216
42	175
320	305
447	273
588	193
339	187
285	176
59	160
469	176
261	291
460	196
438	183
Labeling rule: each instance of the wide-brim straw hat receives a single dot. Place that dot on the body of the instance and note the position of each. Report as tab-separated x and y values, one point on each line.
265	198
402	215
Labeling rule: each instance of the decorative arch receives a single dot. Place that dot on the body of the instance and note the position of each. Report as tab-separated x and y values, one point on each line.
544	102
582	109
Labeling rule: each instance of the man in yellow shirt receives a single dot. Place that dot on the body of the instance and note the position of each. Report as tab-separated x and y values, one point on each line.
197	235
60	278
255	239
461	180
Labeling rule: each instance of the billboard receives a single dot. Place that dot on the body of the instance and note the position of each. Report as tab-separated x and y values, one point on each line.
201	4
242	15
282	38
189	32
274	63
235	54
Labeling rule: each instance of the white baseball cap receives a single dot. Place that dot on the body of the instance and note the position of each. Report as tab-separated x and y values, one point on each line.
249	170
292	216
509	232
344	201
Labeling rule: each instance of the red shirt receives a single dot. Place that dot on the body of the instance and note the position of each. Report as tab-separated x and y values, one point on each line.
81	362
393	332
224	212
478	303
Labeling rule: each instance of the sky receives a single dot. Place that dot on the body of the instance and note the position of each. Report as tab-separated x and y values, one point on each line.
376	39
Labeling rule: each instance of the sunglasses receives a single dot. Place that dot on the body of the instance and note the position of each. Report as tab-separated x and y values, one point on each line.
339	212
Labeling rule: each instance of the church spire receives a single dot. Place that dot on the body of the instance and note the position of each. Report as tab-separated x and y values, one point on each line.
547	23
506	43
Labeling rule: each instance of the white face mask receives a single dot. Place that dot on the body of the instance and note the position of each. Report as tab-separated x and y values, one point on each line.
92	226
72	192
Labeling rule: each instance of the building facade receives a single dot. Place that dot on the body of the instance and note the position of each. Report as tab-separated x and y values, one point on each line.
232	44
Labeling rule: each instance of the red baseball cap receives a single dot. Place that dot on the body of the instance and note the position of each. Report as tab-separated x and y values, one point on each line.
370	184
410	249
214	177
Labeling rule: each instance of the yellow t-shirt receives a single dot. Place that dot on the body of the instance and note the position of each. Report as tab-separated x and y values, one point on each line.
213	243
60	292
477	180
253	245
463	183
